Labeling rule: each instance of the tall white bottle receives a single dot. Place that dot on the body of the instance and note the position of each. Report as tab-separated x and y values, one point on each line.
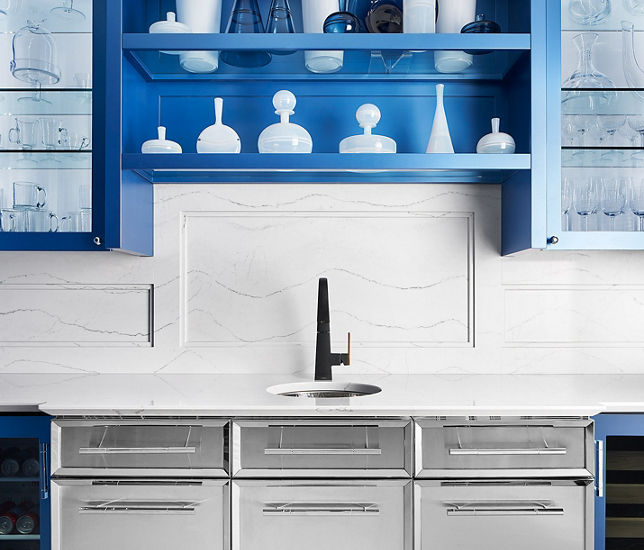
440	141
314	13
419	16
202	16
452	17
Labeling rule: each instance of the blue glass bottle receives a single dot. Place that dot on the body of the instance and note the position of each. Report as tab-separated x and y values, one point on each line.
245	18
345	20
280	21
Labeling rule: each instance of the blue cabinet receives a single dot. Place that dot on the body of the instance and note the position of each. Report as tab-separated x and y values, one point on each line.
58	128
24	482
619	503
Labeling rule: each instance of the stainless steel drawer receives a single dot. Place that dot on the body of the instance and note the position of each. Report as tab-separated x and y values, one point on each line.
160	447
504	515
322	448
320	515
506	448
140	514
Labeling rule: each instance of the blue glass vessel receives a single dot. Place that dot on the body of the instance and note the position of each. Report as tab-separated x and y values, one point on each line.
245	18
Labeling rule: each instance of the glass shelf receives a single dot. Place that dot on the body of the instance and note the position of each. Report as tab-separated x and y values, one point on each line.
326	167
19	480
365	55
45	160
618	101
19	537
602	157
59	102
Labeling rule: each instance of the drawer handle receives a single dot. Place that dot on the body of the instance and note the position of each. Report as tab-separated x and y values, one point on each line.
521	509
136	450
513	452
169	508
283	451
321	509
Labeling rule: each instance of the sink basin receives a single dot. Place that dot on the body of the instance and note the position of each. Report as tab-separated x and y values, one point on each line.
324	390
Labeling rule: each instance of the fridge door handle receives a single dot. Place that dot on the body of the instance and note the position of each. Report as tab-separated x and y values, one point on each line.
507	452
320	509
600	469
44	471
504	509
282	451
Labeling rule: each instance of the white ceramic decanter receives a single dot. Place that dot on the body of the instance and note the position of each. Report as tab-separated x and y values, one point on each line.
218	138
161	144
497	142
368	116
284	137
440	140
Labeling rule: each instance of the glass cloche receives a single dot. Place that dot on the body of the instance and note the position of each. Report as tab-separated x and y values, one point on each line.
284	137
34	56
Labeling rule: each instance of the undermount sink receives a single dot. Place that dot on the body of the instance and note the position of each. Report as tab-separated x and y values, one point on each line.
322	390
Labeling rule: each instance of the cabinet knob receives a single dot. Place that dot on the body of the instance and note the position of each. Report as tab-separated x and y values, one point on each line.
553	240
97	241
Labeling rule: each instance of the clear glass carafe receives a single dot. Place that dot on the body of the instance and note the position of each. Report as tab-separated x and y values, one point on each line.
586	76
632	70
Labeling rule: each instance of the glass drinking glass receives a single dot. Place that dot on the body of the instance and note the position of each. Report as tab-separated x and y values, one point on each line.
41	221
636	122
586	76
636	202
343	21
585	199
610	124
25	134
53	133
28	195
589	12
613	198
245	18
13	220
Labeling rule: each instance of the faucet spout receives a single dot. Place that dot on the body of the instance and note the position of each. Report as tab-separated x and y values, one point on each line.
324	359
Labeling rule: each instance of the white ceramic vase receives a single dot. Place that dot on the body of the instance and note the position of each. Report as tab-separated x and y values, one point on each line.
202	16
419	16
440	141
314	13
453	15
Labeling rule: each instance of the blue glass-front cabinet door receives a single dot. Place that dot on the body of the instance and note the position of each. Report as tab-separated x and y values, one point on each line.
595	141
58	190
24	483
619	502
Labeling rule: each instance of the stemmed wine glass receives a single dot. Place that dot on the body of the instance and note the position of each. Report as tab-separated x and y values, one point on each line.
567	187
636	122
610	124
68	11
585	198
636	202
613	198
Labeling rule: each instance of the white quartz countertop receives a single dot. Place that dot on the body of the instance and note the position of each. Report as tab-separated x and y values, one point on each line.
235	395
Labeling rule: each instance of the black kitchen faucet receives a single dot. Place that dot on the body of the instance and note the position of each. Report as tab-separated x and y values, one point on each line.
324	359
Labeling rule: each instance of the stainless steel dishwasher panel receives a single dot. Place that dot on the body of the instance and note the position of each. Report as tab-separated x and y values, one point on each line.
130	514
321	515
322	448
454	448
147	447
503	515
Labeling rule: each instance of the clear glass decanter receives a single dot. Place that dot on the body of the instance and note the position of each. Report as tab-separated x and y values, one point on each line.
632	70
586	76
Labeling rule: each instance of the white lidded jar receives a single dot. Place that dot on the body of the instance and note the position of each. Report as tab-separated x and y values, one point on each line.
453	15
161	145
368	116
284	137
497	142
314	13
202	16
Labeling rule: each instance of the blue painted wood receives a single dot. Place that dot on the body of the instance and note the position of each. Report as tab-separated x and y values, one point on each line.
347	42
607	425
34	427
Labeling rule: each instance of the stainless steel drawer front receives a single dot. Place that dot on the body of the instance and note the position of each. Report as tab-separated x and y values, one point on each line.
318	515
505	515
137	514
445	449
136	448
308	448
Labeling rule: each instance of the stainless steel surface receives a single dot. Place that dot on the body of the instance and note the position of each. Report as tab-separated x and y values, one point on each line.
322	448
600	468
136	514
159	447
526	514
323	514
455	448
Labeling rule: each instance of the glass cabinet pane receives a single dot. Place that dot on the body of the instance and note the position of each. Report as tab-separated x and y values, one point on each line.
46	116
19	494
602	108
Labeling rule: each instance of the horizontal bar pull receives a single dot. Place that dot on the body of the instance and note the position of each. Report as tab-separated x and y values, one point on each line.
136	450
142	508
282	451
504	509
510	452
321	509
